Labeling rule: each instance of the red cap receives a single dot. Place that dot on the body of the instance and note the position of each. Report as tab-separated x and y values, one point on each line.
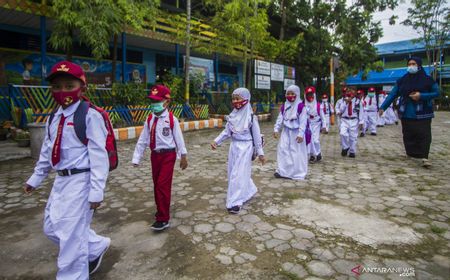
67	68
344	89
349	94
310	89
324	96
371	89
360	91
159	93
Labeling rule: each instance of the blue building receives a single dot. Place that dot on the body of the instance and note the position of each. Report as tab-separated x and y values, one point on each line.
394	56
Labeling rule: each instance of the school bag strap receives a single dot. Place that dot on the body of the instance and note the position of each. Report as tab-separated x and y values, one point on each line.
171	120
50	119
300	107
79	118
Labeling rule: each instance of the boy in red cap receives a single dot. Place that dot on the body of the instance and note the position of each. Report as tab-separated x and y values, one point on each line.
371	109
328	110
162	133
382	117
351	121
82	170
317	123
338	105
360	96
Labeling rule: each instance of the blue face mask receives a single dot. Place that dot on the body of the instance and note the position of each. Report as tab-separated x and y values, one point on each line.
371	94
157	107
412	69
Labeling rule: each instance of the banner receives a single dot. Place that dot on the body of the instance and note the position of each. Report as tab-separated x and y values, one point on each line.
289	72
262	67
262	82
201	66
277	72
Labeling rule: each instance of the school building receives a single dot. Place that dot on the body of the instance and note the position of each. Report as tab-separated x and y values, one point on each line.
142	57
394	56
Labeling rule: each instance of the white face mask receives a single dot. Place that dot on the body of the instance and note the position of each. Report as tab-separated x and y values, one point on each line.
412	69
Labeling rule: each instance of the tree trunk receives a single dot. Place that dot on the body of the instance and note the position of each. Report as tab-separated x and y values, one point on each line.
188	51
114	59
283	19
244	70
252	46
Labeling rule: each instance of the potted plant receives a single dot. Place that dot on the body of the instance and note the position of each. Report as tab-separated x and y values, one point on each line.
23	138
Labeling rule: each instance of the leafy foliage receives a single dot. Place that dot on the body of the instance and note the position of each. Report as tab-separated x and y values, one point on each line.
94	22
431	19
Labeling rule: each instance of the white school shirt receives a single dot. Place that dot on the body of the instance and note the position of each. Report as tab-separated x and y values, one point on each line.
245	136
338	105
75	154
373	107
343	109
164	136
328	108
313	117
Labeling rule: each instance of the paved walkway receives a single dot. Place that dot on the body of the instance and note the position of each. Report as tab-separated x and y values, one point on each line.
380	214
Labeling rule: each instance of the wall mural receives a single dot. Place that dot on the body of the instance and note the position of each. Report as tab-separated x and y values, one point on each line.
24	68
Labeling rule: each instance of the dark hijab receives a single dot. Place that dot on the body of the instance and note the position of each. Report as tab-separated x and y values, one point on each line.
419	81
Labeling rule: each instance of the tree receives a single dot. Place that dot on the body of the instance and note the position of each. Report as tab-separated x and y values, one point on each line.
95	22
319	30
90	21
431	19
188	50
240	24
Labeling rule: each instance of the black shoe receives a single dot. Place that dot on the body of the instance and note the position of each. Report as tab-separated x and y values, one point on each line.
396	123
362	135
352	155
319	157
95	264
158	226
344	152
277	175
373	134
234	210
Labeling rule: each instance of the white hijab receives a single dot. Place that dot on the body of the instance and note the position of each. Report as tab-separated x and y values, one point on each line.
240	120
290	108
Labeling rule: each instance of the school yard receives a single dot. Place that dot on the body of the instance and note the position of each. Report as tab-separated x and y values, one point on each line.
380	215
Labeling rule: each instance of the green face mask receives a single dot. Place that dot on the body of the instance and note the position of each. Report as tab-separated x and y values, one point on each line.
157	107
371	94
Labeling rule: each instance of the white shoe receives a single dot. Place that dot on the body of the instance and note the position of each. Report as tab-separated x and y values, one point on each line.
426	163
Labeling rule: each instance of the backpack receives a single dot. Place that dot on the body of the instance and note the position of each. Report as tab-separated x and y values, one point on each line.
308	133
79	120
171	121
254	155
357	104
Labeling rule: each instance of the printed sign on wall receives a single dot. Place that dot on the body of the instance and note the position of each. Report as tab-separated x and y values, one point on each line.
277	72
262	67
262	82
